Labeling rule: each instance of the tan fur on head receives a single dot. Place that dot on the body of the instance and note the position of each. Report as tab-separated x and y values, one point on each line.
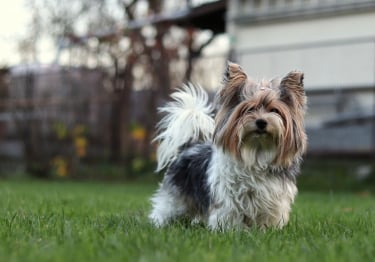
242	101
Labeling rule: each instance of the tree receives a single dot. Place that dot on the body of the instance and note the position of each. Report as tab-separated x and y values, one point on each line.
139	57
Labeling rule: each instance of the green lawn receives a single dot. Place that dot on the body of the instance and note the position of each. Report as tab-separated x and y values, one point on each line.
50	221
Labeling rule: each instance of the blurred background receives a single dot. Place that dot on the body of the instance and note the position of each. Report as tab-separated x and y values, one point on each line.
80	80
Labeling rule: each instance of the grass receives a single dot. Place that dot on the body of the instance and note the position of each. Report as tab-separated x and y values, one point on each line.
50	221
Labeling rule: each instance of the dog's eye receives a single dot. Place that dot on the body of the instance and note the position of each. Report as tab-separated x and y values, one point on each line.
274	110
251	109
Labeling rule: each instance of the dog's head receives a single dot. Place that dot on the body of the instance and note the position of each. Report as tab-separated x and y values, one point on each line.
261	121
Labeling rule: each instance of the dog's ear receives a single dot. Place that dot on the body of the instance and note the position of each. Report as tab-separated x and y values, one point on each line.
230	95
292	89
233	82
233	72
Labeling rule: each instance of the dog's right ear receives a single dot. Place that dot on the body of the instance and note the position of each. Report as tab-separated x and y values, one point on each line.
233	83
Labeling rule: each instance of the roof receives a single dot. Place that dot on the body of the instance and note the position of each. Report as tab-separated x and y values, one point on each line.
210	16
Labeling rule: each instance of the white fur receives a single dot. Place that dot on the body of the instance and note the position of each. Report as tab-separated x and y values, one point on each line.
242	195
167	204
188	118
246	197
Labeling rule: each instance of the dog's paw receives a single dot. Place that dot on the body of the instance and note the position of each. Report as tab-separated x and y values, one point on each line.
157	220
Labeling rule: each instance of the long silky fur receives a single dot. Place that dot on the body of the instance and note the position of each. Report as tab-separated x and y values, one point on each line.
187	119
224	172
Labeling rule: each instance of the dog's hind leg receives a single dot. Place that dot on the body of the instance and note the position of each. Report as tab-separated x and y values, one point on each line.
167	204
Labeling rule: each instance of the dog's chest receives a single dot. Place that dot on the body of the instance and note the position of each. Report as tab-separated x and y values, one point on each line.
253	191
257	189
248	190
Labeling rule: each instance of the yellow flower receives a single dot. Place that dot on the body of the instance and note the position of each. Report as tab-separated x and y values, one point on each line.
80	144
138	133
61	166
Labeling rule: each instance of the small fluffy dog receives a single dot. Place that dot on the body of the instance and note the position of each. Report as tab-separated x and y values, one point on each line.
237	169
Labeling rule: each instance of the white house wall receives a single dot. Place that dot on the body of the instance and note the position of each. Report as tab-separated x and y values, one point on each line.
334	52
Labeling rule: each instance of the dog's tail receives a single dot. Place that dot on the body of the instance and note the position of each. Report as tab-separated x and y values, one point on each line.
188	119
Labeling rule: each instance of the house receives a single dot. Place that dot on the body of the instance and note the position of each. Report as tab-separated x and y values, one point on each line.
333	42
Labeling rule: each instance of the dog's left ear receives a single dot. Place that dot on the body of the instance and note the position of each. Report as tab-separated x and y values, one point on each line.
292	89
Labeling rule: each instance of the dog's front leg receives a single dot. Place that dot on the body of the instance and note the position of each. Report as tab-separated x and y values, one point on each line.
224	218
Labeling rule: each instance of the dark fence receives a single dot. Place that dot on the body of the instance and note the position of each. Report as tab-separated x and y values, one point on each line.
53	118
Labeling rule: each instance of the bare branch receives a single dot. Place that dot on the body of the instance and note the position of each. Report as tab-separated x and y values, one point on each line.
128	8
200	49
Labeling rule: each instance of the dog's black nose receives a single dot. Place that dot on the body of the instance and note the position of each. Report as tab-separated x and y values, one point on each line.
261	124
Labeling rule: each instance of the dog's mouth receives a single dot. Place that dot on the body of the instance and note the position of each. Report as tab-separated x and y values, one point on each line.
259	140
255	135
260	132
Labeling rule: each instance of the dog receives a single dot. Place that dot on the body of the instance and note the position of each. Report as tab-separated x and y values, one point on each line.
236	168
